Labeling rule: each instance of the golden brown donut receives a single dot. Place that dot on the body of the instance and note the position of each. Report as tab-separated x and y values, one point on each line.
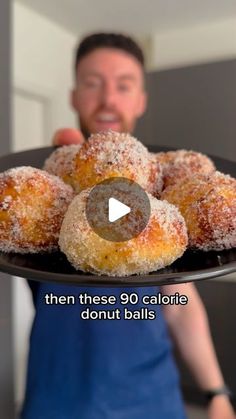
208	204
32	206
62	162
176	165
162	241
111	154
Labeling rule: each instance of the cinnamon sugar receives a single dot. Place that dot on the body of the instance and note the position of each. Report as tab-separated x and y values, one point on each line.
33	204
177	165
162	241
208	204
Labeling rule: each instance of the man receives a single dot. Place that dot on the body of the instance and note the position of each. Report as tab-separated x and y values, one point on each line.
100	369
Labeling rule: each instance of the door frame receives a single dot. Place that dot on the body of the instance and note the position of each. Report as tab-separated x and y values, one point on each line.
38	92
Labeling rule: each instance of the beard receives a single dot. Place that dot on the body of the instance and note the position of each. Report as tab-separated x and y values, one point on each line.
90	126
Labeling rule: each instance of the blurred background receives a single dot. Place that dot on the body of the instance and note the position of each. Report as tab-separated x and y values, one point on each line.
190	48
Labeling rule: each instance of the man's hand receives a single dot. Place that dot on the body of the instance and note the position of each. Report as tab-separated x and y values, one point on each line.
220	408
67	136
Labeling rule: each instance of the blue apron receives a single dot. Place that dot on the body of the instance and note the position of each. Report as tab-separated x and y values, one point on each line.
99	369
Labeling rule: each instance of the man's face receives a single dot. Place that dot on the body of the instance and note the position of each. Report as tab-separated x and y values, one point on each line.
109	91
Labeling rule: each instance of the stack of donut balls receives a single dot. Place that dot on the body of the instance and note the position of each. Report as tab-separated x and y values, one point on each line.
192	205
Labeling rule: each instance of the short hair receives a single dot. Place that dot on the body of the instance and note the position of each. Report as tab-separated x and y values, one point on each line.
109	40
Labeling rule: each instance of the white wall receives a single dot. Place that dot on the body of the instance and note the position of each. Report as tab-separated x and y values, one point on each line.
195	44
42	63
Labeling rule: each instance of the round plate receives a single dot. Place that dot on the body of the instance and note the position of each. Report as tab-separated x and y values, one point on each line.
54	267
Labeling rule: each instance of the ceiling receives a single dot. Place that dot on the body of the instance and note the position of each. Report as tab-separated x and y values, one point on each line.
140	17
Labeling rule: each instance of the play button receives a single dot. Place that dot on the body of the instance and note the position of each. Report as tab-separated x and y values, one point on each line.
118	209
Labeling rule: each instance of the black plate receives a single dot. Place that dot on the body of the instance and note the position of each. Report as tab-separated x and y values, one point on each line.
54	267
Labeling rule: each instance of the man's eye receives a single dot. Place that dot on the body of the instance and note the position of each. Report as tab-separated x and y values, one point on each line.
92	84
124	88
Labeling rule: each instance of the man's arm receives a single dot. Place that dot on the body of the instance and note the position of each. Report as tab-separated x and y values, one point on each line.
189	327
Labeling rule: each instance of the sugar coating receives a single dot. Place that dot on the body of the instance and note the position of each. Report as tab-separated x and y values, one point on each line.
162	241
108	154
62	161
32	206
177	165
208	204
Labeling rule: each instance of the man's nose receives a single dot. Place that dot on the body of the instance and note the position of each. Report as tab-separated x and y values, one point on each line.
108	95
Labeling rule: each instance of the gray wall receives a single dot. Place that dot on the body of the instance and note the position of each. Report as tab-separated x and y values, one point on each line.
193	107
6	358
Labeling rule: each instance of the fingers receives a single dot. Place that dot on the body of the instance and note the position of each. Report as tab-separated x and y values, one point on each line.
66	136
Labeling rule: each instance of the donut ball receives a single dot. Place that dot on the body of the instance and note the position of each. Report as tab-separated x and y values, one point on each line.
176	165
155	180
111	154
208	204
62	162
32	206
163	240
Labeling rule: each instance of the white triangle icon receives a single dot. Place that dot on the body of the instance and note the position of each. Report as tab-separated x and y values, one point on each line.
116	210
